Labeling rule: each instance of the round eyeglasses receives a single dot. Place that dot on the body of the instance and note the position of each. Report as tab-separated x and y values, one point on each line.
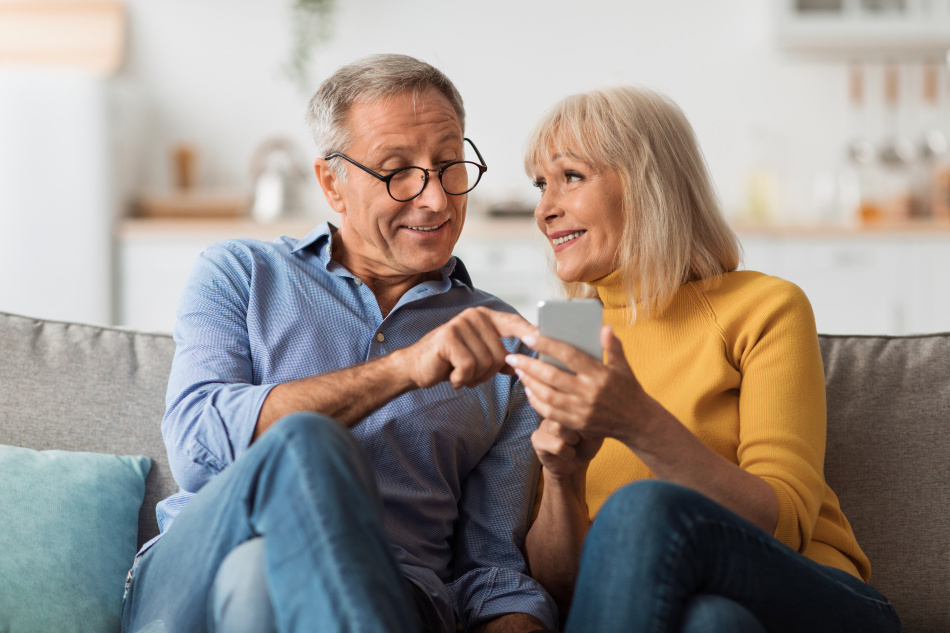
457	178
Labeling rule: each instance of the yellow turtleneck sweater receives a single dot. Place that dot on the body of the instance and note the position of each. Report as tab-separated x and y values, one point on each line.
737	362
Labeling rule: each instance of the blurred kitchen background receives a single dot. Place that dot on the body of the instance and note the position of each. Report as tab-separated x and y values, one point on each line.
133	133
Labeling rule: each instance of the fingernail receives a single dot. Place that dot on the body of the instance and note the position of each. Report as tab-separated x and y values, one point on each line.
519	373
530	340
512	359
527	390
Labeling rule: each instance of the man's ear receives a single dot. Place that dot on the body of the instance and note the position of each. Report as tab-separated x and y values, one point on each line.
330	184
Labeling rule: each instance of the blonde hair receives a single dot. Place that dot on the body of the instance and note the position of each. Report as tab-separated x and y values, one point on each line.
674	231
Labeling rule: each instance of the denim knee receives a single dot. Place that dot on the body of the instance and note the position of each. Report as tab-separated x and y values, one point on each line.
312	428
706	613
649	502
240	600
323	447
318	437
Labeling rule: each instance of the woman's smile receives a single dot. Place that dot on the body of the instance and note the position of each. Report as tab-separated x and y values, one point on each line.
562	239
574	195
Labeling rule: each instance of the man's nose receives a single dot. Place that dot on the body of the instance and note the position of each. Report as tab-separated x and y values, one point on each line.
433	196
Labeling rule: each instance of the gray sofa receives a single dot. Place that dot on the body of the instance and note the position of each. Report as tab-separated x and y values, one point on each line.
83	388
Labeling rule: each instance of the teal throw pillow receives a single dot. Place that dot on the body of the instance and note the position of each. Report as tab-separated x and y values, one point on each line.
68	534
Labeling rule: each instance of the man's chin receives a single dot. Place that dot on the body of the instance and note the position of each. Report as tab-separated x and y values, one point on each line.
430	265
428	258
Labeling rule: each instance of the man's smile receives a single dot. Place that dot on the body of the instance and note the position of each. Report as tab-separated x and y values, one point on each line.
426	229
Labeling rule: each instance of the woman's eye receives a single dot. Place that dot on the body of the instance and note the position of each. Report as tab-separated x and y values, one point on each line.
540	184
572	176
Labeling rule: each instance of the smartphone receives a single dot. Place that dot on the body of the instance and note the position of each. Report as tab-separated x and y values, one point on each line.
573	321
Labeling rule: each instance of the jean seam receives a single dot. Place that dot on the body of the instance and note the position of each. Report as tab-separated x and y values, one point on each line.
318	519
695	524
673	561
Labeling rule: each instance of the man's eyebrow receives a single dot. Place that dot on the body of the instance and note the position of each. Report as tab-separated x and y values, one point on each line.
390	148
403	148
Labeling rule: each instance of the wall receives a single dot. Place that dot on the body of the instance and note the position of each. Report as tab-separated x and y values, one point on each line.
211	72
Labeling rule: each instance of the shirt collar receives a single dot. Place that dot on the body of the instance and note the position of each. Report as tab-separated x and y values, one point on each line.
319	240
319	236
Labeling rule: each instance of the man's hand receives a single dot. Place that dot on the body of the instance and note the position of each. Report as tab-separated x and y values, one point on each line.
466	351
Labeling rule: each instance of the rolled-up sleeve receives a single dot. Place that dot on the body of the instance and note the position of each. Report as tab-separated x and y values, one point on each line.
211	403
489	574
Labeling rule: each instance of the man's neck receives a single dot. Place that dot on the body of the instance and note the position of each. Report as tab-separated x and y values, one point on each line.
388	287
389	290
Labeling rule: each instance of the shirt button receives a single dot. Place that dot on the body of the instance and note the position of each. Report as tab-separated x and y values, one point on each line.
358	282
380	337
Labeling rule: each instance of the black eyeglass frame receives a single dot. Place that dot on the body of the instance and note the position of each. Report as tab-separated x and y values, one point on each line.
482	168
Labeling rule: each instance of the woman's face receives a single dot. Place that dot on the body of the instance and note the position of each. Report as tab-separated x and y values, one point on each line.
581	213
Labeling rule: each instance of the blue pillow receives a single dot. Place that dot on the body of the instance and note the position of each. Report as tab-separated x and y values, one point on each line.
68	535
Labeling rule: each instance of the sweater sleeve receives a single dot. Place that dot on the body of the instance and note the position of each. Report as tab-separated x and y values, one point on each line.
782	414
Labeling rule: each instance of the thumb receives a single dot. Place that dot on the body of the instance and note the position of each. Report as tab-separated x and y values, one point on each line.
612	346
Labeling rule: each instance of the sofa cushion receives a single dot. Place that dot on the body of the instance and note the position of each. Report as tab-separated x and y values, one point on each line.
888	460
68	526
86	388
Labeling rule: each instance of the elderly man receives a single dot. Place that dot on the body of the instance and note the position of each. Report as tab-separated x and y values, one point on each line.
351	454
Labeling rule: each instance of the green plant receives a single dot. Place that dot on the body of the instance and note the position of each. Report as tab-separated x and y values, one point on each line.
312	26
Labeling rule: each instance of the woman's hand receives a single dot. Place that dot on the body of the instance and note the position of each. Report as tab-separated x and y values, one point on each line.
563	453
606	400
599	400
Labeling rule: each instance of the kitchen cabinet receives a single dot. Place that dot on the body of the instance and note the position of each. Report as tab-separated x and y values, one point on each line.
911	29
862	282
858	281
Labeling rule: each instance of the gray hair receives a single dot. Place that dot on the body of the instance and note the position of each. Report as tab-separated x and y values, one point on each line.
368	80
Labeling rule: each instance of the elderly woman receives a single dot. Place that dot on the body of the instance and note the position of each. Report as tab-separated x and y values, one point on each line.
689	463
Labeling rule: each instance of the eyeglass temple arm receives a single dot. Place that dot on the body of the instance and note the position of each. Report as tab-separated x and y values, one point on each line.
477	153
353	162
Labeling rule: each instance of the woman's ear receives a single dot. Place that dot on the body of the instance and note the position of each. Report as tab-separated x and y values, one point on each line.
330	184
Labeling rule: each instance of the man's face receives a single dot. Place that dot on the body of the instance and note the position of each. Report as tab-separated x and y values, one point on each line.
380	237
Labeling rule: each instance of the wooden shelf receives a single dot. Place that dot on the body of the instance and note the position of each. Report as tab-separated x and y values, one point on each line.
880	229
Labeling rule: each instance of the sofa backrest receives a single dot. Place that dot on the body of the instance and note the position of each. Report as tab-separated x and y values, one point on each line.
85	388
888	460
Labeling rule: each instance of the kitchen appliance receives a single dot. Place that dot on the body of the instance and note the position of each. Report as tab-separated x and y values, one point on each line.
277	174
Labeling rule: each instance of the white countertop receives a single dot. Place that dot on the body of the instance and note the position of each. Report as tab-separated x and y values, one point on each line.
479	226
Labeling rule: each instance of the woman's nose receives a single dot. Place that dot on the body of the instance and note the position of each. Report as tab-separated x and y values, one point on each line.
547	209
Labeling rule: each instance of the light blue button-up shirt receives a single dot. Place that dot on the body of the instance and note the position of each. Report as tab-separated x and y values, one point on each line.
455	468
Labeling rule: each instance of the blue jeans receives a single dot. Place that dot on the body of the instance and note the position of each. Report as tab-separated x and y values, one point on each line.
306	488
661	557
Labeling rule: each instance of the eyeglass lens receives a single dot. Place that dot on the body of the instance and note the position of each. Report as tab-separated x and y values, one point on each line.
457	179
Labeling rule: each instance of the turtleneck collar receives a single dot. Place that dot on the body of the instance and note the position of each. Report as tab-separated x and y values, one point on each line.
611	291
